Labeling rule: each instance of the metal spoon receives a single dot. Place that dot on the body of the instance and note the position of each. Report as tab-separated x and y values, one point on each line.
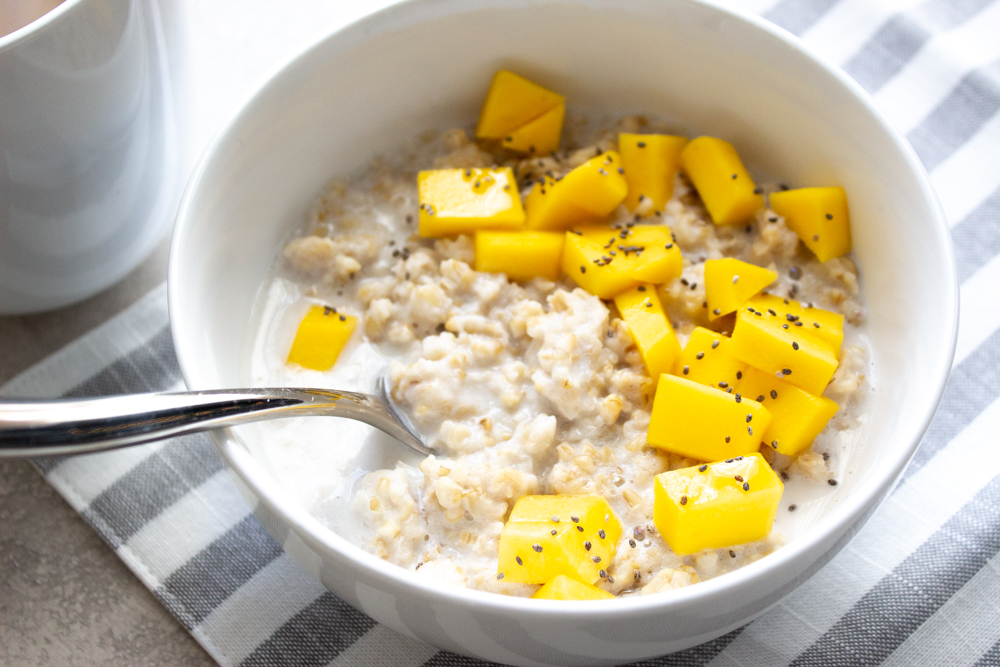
31	428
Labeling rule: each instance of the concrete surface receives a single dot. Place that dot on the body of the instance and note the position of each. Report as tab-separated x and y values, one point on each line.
65	598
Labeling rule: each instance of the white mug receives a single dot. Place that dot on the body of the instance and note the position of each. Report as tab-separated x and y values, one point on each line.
88	154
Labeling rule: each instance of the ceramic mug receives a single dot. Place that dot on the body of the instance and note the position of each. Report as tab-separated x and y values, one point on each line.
88	176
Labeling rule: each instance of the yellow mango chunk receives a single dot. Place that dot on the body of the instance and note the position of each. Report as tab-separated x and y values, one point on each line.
721	180
706	359
522	255
717	504
546	536
588	193
702	422
511	103
321	336
540	136
797	416
797	359
819	216
651	331
730	282
651	162
460	201
606	261
822	325
563	588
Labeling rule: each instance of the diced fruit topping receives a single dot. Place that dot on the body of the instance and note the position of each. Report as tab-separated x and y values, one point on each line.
707	360
511	103
460	201
651	161
819	216
702	422
822	325
546	536
716	505
730	282
521	255
607	261
721	180
797	416
642	311
321	336
563	588
540	136
588	193
784	353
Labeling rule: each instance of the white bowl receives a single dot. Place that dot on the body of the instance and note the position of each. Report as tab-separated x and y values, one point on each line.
426	64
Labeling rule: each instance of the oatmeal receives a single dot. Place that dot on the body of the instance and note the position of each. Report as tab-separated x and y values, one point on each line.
538	387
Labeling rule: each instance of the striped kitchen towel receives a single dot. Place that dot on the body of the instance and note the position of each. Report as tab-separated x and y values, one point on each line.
919	585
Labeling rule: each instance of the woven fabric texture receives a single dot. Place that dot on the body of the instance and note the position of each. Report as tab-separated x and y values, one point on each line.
919	585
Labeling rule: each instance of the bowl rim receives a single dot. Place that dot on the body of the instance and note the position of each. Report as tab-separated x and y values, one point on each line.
28	30
863	499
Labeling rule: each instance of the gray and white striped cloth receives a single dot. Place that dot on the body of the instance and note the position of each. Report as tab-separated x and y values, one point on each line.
919	585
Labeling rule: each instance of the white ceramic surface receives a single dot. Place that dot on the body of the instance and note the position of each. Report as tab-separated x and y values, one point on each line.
427	63
88	174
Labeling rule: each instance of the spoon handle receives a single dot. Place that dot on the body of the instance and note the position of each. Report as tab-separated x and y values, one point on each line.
31	428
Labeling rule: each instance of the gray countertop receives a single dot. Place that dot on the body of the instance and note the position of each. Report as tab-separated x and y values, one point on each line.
65	597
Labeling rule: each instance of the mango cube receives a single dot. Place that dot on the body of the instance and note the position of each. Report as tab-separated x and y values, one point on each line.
511	103
606	261
651	162
546	536
460	201
730	282
522	255
321	336
819	216
651	331
704	423
784	353
716	505
540	136
721	180
822	325
588	193
707	360
797	416
563	588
